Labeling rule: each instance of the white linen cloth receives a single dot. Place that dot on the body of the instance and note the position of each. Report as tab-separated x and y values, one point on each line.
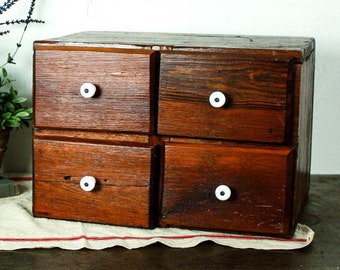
19	230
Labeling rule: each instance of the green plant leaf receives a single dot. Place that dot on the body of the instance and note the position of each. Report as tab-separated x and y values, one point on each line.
19	100
22	114
4	72
13	92
15	118
3	123
6	115
10	59
10	106
12	123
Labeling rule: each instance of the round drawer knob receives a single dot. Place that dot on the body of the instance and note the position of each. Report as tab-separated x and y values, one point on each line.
217	99
223	192
88	183
88	90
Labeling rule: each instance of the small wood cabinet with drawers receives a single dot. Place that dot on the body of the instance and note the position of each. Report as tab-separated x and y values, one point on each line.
207	132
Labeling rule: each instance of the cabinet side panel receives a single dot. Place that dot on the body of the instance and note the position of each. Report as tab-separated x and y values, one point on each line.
303	133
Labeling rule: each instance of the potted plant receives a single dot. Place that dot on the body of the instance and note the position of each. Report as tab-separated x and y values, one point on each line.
13	112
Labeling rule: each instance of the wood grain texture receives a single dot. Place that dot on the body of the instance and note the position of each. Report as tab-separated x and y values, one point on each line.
256	95
260	180
113	137
126	206
240	46
118	165
123	101
125	179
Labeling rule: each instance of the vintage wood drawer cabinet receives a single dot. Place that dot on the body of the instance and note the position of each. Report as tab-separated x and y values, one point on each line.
198	131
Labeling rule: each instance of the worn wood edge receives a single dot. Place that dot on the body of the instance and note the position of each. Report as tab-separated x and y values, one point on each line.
167	42
96	48
304	133
91	135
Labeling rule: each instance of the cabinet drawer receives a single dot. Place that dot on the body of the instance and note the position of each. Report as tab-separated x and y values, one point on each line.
227	188
256	97
123	82
123	189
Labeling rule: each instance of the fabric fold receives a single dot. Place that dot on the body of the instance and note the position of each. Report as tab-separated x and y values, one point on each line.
19	230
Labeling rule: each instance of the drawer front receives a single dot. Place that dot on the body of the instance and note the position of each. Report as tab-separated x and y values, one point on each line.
122	85
122	193
256	97
227	188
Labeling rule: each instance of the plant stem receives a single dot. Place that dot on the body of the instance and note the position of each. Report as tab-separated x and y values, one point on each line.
7	5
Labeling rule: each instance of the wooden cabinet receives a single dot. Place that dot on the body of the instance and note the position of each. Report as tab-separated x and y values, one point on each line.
150	129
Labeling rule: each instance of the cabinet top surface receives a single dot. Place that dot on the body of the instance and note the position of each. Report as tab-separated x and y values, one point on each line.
299	47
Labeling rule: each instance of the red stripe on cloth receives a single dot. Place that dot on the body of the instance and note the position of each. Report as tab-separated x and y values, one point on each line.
180	237
136	238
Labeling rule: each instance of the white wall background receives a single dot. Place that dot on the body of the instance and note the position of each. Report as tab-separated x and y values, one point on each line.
315	18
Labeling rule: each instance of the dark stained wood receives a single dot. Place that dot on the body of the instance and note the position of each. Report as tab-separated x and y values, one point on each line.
126	206
124	175
153	91
123	100
109	164
92	135
258	178
256	95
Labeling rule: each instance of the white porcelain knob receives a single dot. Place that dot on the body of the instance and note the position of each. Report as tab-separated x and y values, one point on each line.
223	192
88	90
88	183
217	99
